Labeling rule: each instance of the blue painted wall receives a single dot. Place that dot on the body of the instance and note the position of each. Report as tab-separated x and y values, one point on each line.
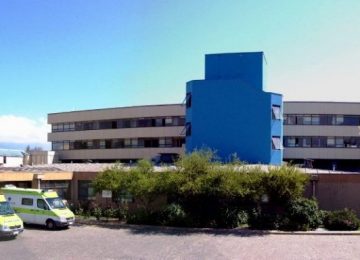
231	113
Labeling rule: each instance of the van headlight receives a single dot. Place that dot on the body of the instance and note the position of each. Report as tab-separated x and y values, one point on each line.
63	219
5	228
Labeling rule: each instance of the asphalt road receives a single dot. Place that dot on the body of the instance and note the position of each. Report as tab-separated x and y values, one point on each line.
90	242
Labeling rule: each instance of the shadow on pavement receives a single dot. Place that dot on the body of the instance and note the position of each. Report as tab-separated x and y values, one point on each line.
42	228
177	231
7	238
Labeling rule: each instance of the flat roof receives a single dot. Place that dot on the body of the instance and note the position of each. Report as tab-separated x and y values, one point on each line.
110	108
338	102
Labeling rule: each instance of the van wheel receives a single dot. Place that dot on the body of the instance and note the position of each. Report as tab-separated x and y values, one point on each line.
50	224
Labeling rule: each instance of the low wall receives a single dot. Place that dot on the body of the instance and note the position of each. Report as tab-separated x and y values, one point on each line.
335	191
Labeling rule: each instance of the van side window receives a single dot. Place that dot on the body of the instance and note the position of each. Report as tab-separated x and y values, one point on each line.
27	201
41	204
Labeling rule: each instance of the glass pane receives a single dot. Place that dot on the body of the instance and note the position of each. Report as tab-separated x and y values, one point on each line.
315	120
330	142
276	143
276	112
307	120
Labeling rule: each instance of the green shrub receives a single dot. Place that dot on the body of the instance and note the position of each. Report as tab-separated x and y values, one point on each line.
79	211
143	217
97	212
231	218
174	215
109	213
261	220
121	213
345	219
209	193
301	214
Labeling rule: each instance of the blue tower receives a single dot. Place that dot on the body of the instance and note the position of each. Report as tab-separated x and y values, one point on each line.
230	112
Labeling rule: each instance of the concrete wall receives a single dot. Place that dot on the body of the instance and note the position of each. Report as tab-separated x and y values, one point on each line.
41	157
336	191
11	161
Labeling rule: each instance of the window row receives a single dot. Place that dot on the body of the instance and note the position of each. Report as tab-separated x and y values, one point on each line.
119	123
118	143
292	119
322	141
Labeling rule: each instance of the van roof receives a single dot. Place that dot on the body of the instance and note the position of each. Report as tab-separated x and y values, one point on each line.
23	191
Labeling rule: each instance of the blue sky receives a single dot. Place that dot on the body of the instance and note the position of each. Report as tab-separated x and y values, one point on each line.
69	55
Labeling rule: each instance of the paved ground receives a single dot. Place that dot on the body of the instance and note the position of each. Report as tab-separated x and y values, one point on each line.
90	242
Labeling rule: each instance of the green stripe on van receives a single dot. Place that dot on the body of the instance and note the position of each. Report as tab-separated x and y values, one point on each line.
35	211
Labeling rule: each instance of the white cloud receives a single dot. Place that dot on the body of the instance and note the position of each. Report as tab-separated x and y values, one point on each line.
17	129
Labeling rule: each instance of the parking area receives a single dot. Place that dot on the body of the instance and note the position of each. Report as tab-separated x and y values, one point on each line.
136	242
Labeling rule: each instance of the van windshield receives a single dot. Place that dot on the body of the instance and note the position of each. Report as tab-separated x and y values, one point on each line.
55	203
5	208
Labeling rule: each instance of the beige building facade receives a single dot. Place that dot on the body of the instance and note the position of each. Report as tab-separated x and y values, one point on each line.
321	134
118	134
326	134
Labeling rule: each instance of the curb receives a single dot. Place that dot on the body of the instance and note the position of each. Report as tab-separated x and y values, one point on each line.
245	231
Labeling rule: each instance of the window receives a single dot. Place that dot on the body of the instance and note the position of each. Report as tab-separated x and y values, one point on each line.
102	144
318	141
168	121
350	142
133	123
276	112
66	145
289	141
181	121
85	190
307	120
339	142
324	119
276	142
88	126
134	142
41	204
27	201
339	120
351	120
57	146
188	100
57	127
127	142
304	142
188	129
315	120
330	142
89	144
158	122
290	119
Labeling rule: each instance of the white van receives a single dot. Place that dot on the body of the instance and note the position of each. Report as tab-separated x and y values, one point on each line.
35	206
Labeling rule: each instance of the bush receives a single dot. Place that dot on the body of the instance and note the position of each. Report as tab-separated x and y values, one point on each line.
143	217
345	219
210	193
120	213
109	213
231	218
97	212
301	214
174	215
259	219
